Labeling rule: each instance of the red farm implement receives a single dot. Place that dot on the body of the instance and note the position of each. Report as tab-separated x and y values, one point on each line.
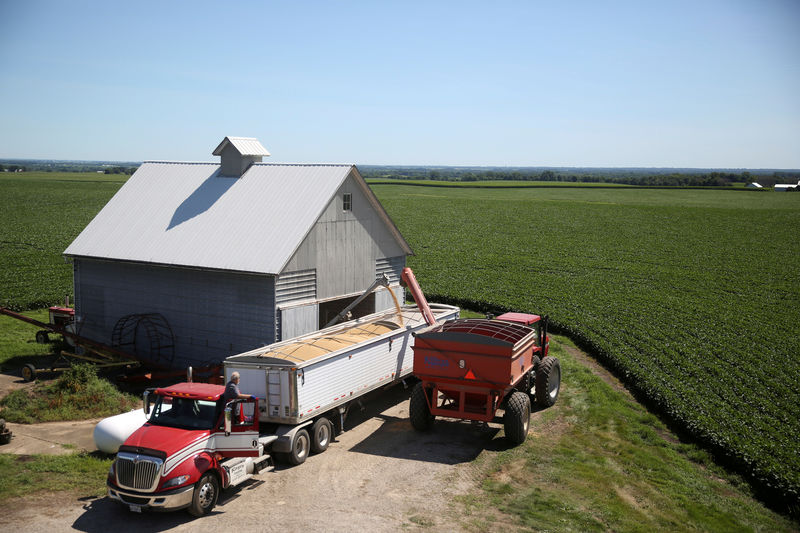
470	368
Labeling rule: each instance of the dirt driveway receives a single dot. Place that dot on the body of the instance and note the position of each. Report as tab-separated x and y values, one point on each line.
379	475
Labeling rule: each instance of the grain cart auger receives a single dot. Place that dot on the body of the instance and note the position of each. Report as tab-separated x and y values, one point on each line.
470	368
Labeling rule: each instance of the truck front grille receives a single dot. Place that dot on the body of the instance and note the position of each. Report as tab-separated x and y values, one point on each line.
138	472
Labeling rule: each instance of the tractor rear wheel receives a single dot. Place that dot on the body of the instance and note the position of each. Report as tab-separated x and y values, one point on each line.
419	412
548	381
517	417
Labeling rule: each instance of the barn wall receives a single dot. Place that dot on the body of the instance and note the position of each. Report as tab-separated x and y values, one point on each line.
212	314
343	246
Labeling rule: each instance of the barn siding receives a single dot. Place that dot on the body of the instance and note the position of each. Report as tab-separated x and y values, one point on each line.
344	245
212	314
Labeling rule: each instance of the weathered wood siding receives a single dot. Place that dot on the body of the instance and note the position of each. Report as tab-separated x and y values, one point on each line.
212	314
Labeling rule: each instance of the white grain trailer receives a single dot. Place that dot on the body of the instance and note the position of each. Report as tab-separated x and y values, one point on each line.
306	385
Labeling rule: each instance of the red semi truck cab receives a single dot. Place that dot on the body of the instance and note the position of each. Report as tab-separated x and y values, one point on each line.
192	446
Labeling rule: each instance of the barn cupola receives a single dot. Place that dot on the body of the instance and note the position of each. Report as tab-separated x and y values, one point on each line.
238	153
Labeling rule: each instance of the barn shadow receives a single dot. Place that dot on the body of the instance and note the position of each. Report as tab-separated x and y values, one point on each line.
201	200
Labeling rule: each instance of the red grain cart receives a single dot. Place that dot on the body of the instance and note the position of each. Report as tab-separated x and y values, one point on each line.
471	367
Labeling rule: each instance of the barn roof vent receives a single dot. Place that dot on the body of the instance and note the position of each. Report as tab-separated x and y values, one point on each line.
238	153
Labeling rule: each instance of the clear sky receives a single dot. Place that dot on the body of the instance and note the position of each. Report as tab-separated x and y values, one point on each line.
573	83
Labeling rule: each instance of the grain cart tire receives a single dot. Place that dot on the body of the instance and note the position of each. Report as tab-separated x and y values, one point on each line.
28	373
206	494
301	443
321	433
418	410
517	417
548	381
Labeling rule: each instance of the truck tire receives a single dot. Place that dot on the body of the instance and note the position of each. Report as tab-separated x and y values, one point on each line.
418	410
548	381
300	446
28	373
321	433
206	494
517	417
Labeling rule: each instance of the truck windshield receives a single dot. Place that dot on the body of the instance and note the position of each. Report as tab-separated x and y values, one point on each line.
184	413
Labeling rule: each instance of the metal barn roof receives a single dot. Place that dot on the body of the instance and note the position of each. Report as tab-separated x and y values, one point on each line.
244	145
185	214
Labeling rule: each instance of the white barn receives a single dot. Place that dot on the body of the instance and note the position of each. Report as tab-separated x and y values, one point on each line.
191	262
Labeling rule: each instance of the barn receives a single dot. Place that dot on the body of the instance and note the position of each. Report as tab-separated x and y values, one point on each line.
191	262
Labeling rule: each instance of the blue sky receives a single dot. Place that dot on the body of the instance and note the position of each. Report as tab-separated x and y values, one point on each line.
573	83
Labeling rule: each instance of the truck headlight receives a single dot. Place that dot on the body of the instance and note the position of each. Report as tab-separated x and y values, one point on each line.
174	482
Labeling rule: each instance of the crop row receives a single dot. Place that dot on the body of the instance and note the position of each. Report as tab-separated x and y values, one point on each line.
693	297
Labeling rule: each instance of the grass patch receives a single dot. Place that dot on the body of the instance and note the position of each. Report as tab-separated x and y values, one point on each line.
598	461
77	394
23	475
17	341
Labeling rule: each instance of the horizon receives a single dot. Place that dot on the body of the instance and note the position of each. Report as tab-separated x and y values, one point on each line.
451	84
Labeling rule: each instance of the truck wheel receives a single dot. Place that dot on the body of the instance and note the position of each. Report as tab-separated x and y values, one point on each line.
548	381
321	433
28	373
300	445
418	410
517	417
205	496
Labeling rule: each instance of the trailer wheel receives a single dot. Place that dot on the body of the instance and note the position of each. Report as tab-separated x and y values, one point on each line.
205	496
321	433
517	417
418	410
300	446
28	373
548	381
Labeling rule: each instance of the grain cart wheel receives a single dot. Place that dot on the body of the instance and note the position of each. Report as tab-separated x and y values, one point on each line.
418	410
321	433
28	373
548	381
517	417
300	446
205	496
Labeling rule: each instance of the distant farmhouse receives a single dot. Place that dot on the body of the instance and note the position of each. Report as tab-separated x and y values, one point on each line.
190	262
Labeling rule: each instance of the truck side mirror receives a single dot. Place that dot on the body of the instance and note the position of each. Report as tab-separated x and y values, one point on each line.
146	402
228	415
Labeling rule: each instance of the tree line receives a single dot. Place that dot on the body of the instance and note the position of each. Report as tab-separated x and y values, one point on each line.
643	177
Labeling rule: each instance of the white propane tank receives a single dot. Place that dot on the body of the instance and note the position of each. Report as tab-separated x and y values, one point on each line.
111	432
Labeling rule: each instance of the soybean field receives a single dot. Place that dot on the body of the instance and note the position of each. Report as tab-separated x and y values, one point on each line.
691	296
42	214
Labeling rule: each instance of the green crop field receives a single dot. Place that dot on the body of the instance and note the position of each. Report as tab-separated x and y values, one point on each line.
692	296
42	214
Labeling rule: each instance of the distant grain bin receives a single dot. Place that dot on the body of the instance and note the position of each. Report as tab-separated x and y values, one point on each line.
191	262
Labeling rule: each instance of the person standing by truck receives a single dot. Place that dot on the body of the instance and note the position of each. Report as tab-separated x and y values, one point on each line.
232	391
